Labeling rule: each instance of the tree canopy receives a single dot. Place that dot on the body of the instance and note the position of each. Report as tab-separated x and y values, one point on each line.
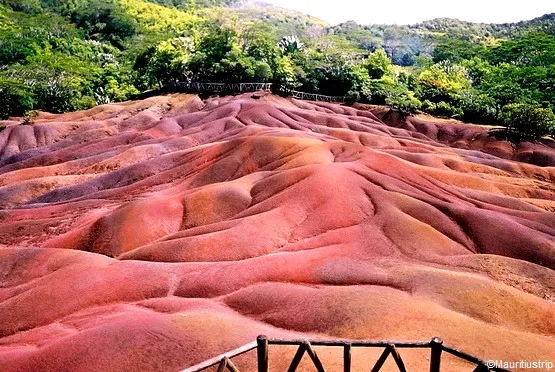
63	55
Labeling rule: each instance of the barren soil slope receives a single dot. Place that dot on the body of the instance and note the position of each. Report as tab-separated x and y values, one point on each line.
151	235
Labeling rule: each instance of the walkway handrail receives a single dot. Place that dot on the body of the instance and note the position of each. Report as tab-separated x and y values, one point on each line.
262	343
220	87
217	360
249	87
314	96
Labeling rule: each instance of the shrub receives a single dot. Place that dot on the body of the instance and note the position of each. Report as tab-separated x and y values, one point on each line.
442	82
352	97
380	89
15	98
378	64
29	117
428	106
526	121
477	107
404	101
442	109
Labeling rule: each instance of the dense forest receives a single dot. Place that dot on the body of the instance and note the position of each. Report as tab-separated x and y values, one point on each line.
65	55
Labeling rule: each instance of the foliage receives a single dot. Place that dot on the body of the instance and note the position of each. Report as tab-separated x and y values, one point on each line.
531	49
15	98
404	101
159	22
284	74
446	110
477	107
166	61
26	6
527	121
444	38
29	117
281	21
442	82
189	4
64	55
378	64
455	50
290	44
104	20
221	54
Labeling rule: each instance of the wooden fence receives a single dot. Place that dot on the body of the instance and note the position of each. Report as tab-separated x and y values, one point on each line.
262	343
221	87
248	87
315	97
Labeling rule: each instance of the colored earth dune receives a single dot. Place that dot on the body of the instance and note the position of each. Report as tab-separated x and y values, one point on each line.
152	235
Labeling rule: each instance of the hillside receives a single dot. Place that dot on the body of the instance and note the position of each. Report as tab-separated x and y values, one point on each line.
404	43
151	235
62	56
285	21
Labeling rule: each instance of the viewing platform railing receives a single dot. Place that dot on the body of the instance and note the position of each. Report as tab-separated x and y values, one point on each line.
262	343
221	87
249	87
315	97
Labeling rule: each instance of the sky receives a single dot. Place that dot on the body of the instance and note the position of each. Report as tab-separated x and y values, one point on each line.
408	12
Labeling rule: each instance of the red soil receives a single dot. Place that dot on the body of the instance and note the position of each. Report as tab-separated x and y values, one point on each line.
152	235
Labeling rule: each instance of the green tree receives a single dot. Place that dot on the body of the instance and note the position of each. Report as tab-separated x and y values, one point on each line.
455	50
378	64
442	82
104	20
403	100
534	48
27	6
525	121
290	44
166	62
15	98
284	74
477	107
59	83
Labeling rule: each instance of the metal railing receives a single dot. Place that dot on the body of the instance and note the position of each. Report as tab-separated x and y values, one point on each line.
262	343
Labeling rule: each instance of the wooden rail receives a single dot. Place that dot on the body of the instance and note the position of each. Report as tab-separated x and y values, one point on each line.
262	344
249	87
315	97
221	87
220	358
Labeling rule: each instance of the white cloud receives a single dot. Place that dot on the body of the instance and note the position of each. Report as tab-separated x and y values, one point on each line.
407	12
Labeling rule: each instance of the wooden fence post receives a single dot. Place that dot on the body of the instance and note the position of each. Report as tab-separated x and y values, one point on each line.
435	359
347	358
262	353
